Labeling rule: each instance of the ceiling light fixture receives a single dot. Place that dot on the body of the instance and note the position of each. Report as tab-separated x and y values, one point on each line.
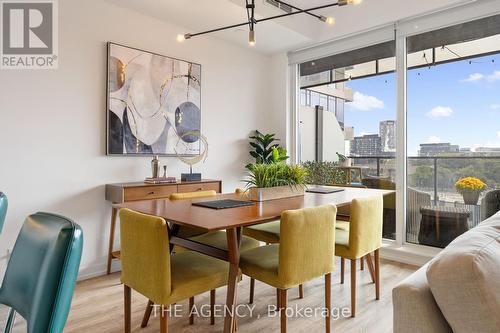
349	2
252	21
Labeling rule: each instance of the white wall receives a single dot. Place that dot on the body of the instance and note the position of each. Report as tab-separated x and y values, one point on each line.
307	116
332	137
52	123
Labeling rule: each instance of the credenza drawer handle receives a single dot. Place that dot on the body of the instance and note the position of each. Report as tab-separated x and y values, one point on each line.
151	193
199	189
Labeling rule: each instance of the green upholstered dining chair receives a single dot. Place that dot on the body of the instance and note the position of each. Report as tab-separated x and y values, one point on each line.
363	238
41	273
307	239
164	278
4	203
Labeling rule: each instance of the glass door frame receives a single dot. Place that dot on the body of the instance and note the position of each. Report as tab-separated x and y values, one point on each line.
398	249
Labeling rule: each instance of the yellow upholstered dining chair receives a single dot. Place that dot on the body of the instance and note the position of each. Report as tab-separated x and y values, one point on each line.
304	253
363	237
342	223
268	233
150	269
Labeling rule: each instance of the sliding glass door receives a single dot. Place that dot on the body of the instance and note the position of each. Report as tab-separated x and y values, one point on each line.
419	114
453	129
348	108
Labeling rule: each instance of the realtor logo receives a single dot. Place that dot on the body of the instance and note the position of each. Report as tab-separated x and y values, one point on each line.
29	34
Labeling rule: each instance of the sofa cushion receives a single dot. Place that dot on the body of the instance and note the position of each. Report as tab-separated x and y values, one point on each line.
465	281
493	221
415	309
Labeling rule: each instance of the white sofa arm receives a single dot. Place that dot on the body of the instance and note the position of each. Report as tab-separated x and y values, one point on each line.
414	307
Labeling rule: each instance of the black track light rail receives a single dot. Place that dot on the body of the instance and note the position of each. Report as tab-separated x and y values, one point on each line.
299	11
297	8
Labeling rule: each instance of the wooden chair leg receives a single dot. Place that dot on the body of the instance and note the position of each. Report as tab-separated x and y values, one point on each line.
342	270
301	291
278	299
377	274
252	290
163	321
212	307
328	300
235	324
362	263
127	300
147	314
191	312
111	239
369	261
283	303
353	288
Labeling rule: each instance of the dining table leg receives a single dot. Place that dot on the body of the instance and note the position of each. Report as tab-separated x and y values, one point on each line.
233	246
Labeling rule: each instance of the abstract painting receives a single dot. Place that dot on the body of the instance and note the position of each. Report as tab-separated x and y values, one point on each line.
153	104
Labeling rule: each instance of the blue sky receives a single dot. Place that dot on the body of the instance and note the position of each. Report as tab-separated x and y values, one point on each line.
456	102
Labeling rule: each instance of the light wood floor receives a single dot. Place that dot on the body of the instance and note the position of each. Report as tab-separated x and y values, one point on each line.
97	306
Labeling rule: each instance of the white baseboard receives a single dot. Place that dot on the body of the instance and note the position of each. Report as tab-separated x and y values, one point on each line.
95	270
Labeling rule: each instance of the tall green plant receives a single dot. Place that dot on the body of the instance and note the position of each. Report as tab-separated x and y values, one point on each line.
266	149
275	174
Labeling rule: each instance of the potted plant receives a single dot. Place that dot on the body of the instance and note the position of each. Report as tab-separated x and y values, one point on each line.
470	188
275	181
266	150
344	160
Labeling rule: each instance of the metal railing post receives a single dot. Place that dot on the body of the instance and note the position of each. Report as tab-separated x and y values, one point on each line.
378	166
435	182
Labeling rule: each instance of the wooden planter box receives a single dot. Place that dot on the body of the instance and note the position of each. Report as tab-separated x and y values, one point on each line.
272	193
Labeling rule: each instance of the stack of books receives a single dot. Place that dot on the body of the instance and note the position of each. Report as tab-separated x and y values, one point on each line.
160	180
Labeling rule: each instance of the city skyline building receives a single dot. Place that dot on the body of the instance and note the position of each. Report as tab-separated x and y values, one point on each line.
366	145
435	149
387	132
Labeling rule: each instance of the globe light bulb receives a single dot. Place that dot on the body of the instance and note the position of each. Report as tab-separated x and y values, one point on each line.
180	38
330	21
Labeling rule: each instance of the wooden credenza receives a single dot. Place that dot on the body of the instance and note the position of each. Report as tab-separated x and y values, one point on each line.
137	191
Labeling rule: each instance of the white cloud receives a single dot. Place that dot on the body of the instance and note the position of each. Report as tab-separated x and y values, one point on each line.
477	77
440	111
495	143
433	139
365	103
473	78
494	77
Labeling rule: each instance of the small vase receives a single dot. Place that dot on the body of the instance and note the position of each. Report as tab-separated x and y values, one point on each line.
155	167
471	198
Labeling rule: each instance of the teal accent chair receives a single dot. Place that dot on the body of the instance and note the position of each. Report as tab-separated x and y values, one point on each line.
3	209
41	274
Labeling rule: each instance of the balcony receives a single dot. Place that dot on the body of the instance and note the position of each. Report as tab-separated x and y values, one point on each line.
431	184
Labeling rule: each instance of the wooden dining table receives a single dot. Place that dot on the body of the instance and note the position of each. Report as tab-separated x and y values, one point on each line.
232	220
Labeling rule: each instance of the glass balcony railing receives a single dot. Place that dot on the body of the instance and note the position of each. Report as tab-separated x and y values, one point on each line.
436	212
